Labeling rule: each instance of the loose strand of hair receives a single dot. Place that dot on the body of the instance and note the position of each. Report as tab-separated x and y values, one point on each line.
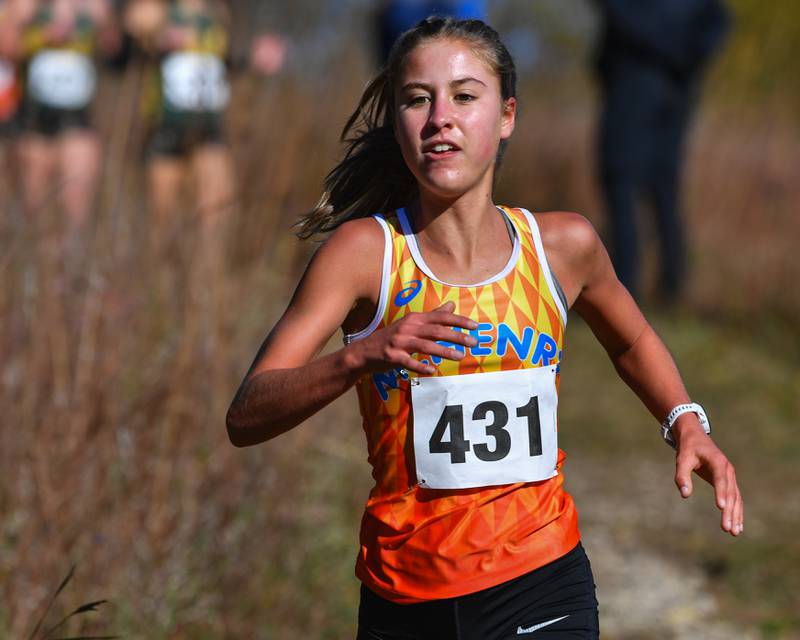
371	177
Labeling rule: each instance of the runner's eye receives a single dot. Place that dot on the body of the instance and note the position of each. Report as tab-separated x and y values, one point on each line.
414	101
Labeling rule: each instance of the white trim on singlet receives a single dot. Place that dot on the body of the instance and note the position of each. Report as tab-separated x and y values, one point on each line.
386	272
548	274
411	239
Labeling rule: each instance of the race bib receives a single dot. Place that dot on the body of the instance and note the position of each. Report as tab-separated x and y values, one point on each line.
485	429
62	79
195	81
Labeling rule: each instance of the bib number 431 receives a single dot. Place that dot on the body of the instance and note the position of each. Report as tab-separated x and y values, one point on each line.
452	419
485	429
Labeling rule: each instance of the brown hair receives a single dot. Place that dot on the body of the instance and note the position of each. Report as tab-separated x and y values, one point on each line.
373	176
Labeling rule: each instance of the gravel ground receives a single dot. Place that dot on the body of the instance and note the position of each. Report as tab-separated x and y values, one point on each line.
644	593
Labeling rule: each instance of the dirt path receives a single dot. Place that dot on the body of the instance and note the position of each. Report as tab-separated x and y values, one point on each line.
645	593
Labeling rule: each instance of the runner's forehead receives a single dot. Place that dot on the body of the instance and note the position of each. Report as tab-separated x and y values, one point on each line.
446	60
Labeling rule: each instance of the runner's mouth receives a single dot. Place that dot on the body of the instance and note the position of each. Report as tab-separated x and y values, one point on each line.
440	148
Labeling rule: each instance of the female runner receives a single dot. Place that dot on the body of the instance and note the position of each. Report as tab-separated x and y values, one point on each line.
454	312
57	142
187	98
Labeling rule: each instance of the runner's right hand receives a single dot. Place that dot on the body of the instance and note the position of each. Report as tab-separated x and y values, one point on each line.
395	345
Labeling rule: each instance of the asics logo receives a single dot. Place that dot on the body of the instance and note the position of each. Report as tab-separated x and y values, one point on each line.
408	294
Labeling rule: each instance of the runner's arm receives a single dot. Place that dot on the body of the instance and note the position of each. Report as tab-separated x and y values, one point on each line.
639	356
286	384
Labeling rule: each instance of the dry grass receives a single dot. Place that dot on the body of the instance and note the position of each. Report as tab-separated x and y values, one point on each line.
118	367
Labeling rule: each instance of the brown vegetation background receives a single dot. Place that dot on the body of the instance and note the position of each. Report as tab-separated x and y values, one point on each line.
115	378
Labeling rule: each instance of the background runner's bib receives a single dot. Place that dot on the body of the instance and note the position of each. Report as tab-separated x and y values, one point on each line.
62	79
481	430
195	81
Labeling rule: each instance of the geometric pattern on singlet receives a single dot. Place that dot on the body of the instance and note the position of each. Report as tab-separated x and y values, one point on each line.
419	544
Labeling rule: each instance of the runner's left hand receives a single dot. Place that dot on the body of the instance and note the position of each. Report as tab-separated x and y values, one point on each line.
697	452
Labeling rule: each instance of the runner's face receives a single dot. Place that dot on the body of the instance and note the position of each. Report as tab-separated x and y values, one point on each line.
450	118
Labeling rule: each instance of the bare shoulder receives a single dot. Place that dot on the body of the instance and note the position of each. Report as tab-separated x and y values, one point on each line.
356	244
567	232
345	270
353	253
573	248
361	233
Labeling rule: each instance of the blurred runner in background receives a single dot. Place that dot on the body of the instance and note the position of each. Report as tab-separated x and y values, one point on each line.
396	16
185	100
185	49
57	41
649	63
9	95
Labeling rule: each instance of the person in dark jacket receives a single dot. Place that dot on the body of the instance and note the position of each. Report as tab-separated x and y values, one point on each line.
650	61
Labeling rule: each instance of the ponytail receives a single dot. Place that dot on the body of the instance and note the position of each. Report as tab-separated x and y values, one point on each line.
372	176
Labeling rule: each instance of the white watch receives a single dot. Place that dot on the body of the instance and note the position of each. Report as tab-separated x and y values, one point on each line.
693	407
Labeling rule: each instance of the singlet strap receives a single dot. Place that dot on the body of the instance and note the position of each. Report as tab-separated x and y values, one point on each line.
555	287
386	272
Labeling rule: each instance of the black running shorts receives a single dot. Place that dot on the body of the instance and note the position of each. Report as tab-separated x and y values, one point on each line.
179	134
555	601
51	122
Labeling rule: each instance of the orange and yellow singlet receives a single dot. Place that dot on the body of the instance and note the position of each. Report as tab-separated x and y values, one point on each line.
420	543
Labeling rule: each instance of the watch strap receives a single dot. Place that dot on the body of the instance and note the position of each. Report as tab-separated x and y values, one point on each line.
672	416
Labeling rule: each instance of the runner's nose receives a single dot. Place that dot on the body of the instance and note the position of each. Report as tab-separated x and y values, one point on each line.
441	113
